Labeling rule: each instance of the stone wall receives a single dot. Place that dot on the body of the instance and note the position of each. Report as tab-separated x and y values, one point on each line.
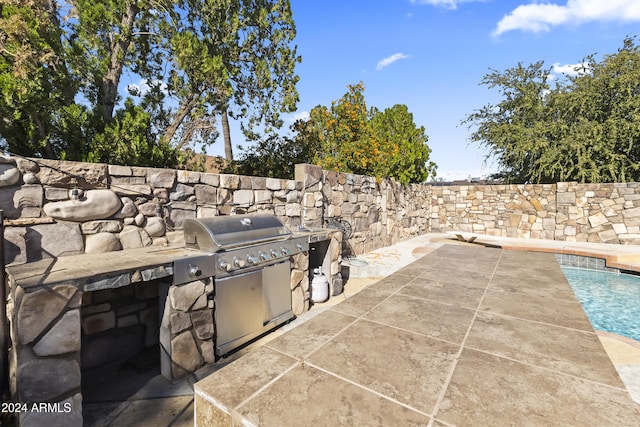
381	212
103	208
117	324
63	331
567	211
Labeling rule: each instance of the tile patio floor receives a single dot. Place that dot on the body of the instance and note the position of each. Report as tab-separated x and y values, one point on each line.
465	335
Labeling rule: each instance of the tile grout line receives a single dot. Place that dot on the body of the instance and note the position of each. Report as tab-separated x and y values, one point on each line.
454	365
363	387
501	356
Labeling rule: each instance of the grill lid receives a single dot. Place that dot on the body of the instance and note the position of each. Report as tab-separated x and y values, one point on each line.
220	233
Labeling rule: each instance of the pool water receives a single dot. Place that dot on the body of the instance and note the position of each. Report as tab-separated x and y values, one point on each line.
610	300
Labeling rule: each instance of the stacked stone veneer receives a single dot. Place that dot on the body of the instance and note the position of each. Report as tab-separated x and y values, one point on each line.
187	328
117	324
568	211
122	207
89	324
381	212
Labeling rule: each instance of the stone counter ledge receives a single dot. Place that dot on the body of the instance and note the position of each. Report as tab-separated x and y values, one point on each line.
103	271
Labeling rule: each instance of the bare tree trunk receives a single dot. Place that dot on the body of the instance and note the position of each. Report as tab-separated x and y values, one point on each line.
228	150
186	105
119	47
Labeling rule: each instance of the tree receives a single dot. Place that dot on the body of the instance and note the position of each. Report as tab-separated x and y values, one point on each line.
38	114
586	128
274	156
349	138
235	59
200	60
403	145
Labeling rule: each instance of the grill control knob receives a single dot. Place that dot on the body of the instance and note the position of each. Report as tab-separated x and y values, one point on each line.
284	251
239	262
300	246
252	259
194	271
225	266
264	256
274	253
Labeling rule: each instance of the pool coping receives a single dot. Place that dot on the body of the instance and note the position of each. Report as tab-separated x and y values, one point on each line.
622	257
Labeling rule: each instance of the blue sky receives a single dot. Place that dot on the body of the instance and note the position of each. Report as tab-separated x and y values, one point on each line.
432	54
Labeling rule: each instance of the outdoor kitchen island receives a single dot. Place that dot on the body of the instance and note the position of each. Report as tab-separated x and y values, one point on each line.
70	315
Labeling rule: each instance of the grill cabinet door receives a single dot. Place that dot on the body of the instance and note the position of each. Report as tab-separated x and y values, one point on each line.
238	310
276	288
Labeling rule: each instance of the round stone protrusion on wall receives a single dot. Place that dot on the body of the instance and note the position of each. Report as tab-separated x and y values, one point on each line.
97	204
9	175
101	243
155	227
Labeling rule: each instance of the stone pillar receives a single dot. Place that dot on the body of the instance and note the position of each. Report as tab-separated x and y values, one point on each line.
186	329
45	355
311	177
300	293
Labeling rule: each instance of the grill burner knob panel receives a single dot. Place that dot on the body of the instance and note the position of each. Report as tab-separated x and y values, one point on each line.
225	266
194	271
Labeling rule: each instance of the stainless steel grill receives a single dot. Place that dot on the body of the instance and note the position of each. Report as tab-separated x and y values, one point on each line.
247	256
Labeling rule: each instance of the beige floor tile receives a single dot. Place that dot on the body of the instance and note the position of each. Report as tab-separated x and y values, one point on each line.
402	365
557	288
238	380
573	352
361	303
541	309
395	281
307	337
307	396
448	293
451	274
442	321
487	390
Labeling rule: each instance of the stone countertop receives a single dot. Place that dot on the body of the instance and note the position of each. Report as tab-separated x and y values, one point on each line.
119	268
316	234
101	271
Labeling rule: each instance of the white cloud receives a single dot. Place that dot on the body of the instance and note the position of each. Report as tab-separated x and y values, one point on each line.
144	86
298	115
390	60
449	4
571	70
540	17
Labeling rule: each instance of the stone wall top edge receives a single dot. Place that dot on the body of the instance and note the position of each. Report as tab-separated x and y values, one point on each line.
392	181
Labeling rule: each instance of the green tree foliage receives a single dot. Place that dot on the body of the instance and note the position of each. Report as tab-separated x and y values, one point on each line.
38	115
403	145
348	137
61	65
274	156
586	128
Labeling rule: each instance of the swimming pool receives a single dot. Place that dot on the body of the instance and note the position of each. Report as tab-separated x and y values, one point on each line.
610	300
